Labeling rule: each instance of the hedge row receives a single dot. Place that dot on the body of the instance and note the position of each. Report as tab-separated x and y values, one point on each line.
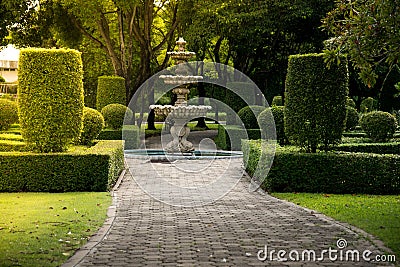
93	169
110	90
377	148
327	172
229	136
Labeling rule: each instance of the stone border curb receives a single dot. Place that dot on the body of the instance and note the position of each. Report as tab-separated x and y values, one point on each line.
96	238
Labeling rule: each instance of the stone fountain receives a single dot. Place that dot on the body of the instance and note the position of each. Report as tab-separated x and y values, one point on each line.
181	112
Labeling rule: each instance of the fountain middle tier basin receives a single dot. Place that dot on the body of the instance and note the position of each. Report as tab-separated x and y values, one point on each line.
181	112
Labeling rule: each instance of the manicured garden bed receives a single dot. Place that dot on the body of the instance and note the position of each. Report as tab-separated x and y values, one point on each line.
42	229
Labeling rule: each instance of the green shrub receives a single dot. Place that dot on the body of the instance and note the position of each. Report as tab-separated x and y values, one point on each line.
350	102
315	101
293	171
278	116
351	118
131	136
2	80
110	90
378	125
50	97
93	123
248	115
277	101
8	113
114	115
229	137
93	169
376	148
234	101
368	105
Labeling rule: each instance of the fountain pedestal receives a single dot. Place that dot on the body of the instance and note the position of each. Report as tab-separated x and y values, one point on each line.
179	132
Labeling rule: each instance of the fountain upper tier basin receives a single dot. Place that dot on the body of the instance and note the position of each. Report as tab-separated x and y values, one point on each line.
180	79
181	112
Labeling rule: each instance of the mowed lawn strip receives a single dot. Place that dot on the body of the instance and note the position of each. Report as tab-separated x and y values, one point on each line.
377	215
44	229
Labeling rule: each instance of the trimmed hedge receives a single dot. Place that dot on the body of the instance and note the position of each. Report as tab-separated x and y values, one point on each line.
277	101
249	114
369	104
380	126
94	169
377	148
278	113
114	115
351	118
93	123
327	172
110	90
315	101
8	113
50	97
132	135
229	136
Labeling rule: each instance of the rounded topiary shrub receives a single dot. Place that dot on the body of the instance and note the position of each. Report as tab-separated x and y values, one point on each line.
277	101
378	125
50	97
114	115
315	101
265	120
8	113
248	115
110	90
368	105
352	118
93	123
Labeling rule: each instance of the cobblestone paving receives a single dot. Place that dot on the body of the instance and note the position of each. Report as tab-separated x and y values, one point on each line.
229	232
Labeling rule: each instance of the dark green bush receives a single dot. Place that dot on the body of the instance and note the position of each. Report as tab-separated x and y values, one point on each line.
234	101
350	102
368	105
95	169
248	115
93	123
2	80
378	125
315	101
110	90
8	113
50	97
229	136
114	115
277	101
323	172
351	118
278	113
376	148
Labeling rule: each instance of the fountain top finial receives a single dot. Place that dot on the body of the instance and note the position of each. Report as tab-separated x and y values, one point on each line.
181	44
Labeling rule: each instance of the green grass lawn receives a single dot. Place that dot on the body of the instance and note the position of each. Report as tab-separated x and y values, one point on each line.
44	229
377	215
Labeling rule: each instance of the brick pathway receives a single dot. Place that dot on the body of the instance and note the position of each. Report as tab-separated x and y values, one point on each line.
142	231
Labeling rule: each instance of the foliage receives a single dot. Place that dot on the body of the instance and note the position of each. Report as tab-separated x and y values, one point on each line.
50	97
90	169
8	113
248	115
315	101
378	125
351	118
377	215
131	136
277	101
367	31
41	229
110	90
114	115
278	113
229	136
350	102
93	123
2	80
368	104
294	171
377	148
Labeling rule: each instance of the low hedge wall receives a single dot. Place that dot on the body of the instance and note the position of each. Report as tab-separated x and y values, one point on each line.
327	172
132	135
92	169
232	141
377	148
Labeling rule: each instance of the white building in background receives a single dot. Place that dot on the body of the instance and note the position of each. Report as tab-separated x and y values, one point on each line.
9	56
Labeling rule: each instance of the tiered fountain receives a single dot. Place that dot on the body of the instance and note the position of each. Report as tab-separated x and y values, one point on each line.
181	112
